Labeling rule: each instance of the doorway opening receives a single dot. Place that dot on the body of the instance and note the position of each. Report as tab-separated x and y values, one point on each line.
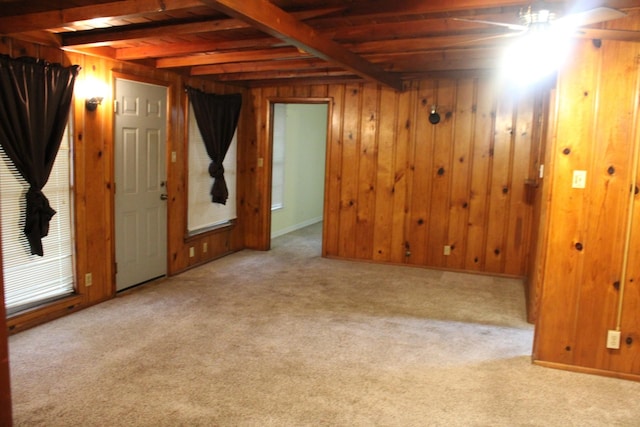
298	140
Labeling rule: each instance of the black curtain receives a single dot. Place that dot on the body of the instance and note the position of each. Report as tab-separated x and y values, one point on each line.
217	118
35	98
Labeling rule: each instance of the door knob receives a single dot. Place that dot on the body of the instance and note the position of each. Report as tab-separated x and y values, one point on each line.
164	197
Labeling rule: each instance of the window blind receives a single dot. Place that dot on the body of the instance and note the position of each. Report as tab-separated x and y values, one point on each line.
202	214
31	280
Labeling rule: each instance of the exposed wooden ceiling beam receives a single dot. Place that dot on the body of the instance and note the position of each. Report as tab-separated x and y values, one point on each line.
375	33
305	81
620	35
453	59
283	74
115	34
186	48
274	21
417	26
381	8
257	66
387	8
239	56
60	18
463	41
44	38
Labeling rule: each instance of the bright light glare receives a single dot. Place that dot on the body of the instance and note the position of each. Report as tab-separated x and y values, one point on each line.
534	56
91	87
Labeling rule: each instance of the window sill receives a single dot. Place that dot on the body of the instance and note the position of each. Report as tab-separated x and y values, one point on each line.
209	231
43	313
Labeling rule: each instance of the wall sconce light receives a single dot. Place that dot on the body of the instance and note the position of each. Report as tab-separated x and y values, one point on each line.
91	104
434	117
93	91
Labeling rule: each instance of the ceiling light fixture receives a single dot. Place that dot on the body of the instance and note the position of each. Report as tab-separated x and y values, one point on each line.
535	55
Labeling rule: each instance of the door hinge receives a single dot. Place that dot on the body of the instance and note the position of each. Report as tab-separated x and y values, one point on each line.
115	267
115	106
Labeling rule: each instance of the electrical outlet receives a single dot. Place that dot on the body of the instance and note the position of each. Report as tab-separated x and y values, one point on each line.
447	250
579	179
88	279
192	252
613	339
204	247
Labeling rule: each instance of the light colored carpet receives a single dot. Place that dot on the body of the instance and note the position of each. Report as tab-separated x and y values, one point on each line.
287	338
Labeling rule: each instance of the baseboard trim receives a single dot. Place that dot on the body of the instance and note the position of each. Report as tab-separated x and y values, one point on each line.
295	227
586	370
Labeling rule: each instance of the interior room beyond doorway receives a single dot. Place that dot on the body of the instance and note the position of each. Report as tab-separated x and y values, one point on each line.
299	135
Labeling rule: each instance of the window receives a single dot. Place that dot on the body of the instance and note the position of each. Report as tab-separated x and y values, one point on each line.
277	167
31	280
202	214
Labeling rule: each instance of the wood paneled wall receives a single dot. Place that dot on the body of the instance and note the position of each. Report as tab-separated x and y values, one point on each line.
586	287
255	156
398	189
538	194
5	381
93	192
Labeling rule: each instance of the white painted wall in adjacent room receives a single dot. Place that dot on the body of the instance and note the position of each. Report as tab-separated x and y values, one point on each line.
305	138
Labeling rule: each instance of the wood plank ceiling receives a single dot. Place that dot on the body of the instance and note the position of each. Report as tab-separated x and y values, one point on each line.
262	42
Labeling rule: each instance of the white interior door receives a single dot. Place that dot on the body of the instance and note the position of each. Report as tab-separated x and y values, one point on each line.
140	178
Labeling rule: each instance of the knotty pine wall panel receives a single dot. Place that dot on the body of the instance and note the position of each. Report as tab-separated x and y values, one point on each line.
461	173
629	361
440	142
399	189
93	186
5	376
499	186
418	214
403	152
434	172
597	128
347	215
481	163
538	195
517	248
383	185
